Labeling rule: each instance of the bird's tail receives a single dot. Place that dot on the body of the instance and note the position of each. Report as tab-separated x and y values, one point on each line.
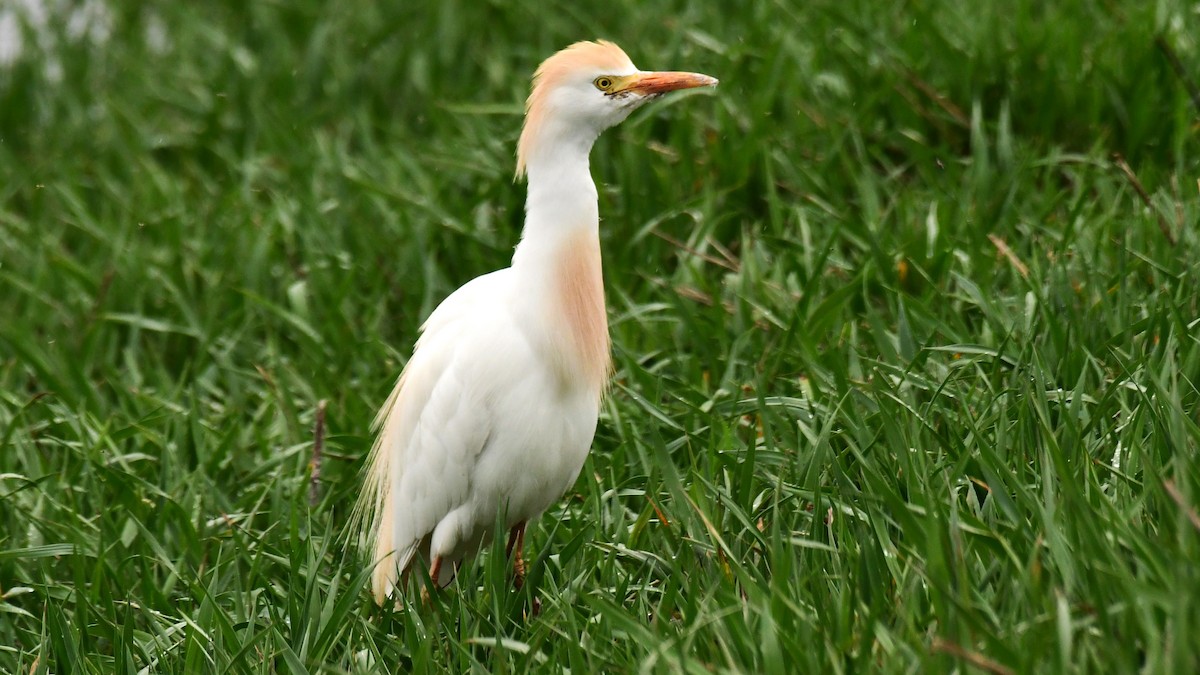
372	525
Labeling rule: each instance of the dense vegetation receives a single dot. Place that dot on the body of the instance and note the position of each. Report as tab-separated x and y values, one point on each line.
904	320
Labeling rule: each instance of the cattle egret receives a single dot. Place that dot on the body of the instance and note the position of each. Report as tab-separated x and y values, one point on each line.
492	418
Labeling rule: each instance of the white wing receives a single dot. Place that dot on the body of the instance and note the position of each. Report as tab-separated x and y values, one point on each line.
431	431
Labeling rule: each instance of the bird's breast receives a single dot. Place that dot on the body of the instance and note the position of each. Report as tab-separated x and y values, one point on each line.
578	293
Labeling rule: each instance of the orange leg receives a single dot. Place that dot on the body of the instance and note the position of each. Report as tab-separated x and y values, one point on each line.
516	540
516	544
434	571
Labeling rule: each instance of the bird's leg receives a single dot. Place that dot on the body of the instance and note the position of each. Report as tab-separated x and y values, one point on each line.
434	572
516	539
516	545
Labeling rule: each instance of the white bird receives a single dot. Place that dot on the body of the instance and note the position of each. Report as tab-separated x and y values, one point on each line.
494	414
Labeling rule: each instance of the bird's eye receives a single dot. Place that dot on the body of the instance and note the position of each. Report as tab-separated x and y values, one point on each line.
603	83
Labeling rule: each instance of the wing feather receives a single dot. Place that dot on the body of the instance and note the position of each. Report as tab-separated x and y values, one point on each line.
429	431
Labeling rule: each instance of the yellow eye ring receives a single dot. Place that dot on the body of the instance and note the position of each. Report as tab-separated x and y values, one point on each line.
603	83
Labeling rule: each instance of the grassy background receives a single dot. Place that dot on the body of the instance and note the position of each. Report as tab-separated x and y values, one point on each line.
906	369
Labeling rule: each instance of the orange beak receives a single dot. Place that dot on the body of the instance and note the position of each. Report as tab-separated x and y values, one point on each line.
648	84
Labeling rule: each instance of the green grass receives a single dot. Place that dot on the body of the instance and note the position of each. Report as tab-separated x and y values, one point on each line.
847	432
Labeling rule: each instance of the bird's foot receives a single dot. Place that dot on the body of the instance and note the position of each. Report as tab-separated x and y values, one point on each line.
434	572
518	571
516	543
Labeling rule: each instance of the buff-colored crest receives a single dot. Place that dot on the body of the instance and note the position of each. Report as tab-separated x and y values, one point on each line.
600	56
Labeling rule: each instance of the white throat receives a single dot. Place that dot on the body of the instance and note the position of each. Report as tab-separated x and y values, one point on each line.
557	265
561	198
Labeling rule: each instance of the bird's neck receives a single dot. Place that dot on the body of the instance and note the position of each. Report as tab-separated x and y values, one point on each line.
558	266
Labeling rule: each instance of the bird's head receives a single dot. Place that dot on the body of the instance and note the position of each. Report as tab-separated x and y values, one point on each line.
585	89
